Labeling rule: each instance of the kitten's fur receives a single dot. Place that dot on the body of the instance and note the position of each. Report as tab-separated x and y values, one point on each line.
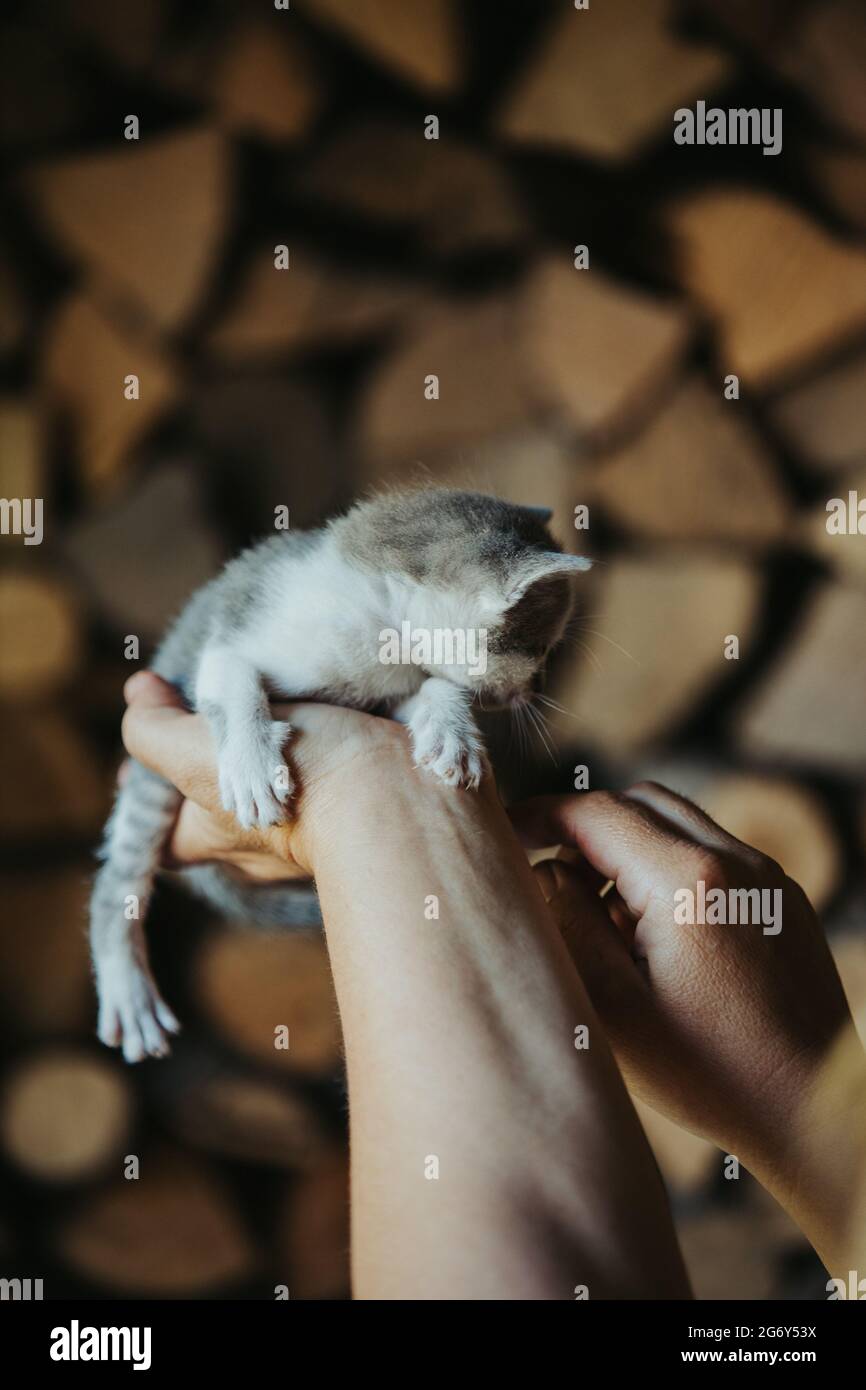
300	616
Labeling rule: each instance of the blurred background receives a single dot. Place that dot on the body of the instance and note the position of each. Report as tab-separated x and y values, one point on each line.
695	378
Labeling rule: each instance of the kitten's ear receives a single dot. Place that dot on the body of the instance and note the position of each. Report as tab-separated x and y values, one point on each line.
542	514
544	564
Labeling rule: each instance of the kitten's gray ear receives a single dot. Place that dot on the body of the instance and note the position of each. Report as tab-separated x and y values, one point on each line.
544	564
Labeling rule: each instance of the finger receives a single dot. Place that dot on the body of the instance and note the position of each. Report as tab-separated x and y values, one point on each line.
686	817
592	880
601	888
175	744
147	689
539	822
619	914
623	840
600	954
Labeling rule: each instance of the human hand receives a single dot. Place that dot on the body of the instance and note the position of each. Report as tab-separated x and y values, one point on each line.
328	746
727	1029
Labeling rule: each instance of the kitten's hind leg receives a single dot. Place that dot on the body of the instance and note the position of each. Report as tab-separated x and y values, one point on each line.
132	1013
255	782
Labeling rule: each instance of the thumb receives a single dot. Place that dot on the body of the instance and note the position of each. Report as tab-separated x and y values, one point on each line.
600	953
147	690
160	732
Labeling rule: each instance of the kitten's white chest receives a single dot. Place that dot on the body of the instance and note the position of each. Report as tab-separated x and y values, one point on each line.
320	634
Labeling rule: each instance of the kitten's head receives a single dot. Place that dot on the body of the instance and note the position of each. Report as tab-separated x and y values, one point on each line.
487	572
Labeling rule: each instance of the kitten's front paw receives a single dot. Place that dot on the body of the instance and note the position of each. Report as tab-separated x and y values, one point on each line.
255	782
132	1013
455	755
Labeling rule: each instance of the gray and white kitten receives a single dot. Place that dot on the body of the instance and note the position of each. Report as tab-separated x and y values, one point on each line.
302	616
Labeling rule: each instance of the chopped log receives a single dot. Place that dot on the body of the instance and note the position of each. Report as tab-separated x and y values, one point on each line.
129	37
270	443
570	344
310	305
145	221
143	557
233	1113
654	644
254	986
65	1116
841	177
780	290
685	1159
455	197
826	56
819	48
44	97
737	1252
254	1121
809	708
784	820
21	463
845	552
532	467
824	420
696	472
45	975
13	321
420	42
172	1232
51	786
483	386
849	953
609	78
264	83
313	1233
596	352
41	625
257	75
84	369
763	26
683	772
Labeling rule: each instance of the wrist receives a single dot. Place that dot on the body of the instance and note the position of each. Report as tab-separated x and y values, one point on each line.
820	1174
366	762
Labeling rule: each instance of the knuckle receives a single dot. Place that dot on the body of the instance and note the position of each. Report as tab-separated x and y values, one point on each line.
712	867
648	787
607	802
769	868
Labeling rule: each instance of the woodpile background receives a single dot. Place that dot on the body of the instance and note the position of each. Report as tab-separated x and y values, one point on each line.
259	386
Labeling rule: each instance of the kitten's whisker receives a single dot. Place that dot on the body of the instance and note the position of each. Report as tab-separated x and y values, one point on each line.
593	632
545	723
533	715
517	726
591	656
512	724
552	704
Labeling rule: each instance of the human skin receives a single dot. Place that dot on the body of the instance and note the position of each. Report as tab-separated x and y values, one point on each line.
459	1030
743	1037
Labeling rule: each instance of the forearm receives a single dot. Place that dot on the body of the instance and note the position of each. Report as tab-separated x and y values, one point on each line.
820	1176
460	1042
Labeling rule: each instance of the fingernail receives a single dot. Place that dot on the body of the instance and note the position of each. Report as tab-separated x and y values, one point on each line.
546	879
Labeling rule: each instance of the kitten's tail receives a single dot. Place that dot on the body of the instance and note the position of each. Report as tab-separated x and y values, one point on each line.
132	1012
286	906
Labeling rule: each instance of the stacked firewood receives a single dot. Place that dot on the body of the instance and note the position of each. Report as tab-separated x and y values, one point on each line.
271	255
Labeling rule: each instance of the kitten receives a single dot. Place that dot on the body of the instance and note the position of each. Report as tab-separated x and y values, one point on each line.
312	615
